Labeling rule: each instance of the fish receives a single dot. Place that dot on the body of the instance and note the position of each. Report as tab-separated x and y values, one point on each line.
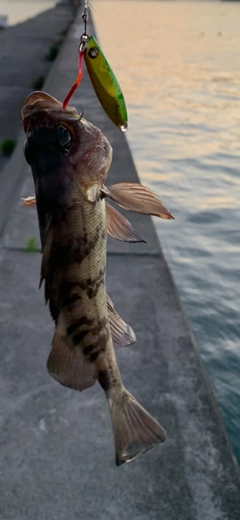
70	159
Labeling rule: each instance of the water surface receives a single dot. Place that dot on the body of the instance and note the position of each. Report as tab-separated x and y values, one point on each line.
179	66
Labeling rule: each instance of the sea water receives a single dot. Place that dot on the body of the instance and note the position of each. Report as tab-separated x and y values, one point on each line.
179	66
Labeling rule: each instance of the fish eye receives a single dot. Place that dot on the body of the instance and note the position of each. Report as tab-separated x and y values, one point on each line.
93	53
63	138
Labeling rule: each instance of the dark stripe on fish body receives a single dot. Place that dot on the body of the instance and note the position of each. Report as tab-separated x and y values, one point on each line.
79	337
92	292
96	348
87	350
93	285
83	321
94	356
68	300
68	255
92	281
99	327
102	342
75	253
68	294
104	380
99	345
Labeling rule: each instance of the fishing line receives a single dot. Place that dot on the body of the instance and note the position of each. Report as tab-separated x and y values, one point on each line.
85	18
81	49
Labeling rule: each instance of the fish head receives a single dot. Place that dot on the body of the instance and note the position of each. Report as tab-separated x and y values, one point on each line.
64	150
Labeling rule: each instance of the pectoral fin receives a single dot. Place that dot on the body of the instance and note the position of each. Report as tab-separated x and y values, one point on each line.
120	228
122	334
29	201
138	198
67	364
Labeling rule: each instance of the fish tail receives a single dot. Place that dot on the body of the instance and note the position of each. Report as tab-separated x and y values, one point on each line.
135	430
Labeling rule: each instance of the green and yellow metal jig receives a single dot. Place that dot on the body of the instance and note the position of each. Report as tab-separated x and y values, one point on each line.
105	84
104	81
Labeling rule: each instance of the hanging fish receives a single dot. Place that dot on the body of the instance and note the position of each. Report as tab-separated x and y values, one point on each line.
70	159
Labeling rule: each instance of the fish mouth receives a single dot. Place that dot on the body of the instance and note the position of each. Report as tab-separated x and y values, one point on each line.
41	109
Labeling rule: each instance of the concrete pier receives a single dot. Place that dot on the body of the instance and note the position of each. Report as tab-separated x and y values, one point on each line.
56	451
22	61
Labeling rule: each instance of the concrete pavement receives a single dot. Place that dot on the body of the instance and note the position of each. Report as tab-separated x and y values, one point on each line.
23	48
57	455
22	60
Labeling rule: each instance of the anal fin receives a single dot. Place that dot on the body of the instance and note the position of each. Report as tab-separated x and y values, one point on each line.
122	334
67	364
29	201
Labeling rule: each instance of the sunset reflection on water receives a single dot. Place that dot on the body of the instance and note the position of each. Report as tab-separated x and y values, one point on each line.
179	68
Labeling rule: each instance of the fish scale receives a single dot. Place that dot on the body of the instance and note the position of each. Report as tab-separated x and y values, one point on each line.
85	270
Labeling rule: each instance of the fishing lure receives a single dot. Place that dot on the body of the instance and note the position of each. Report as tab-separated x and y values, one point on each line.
104	81
105	84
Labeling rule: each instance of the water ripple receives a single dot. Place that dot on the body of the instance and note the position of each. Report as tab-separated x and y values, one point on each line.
183	93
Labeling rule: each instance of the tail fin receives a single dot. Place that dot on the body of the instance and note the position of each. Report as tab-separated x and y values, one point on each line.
135	430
